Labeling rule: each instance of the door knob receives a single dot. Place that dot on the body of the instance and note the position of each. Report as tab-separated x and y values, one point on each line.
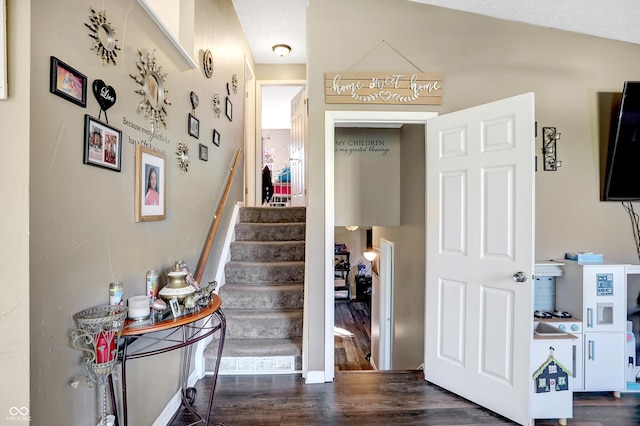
519	277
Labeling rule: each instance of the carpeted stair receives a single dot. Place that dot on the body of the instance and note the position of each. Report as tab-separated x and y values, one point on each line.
262	298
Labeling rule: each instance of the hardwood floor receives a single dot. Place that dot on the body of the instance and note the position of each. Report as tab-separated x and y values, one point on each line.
352	336
376	398
359	397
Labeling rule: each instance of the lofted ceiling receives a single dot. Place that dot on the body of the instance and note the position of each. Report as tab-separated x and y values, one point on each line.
269	22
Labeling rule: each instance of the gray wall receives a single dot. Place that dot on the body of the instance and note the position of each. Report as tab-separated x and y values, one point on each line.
83	233
483	59
367	178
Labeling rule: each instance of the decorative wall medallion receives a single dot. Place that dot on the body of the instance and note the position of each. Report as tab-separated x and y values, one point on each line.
151	81
195	100
183	157
104	36
216	104
207	63
234	83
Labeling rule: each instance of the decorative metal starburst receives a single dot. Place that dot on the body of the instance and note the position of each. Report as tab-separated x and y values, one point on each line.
182	154
216	104
151	81
104	37
234	83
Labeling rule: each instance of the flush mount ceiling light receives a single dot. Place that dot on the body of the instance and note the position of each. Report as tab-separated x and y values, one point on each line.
281	49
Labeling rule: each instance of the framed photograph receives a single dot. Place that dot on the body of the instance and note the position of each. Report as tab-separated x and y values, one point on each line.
228	110
151	190
102	144
67	82
194	126
175	308
204	152
216	137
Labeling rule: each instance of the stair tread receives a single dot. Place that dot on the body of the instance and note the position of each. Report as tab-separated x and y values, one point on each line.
272	345
262	287
260	313
270	262
268	242
275	284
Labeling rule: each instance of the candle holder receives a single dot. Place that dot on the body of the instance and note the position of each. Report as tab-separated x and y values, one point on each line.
97	335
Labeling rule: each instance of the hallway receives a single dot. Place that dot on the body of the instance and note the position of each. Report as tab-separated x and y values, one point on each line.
352	336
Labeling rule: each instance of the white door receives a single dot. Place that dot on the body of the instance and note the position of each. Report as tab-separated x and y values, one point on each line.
480	233
297	148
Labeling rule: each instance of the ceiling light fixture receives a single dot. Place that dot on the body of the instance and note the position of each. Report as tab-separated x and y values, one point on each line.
281	49
369	254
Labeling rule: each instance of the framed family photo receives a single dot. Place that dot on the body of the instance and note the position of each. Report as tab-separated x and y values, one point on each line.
203	154
194	126
102	144
67	82
228	110
150	181
216	137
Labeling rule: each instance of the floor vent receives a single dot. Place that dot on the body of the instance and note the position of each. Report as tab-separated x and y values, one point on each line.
257	365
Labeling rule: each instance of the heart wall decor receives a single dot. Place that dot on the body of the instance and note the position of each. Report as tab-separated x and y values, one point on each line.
105	95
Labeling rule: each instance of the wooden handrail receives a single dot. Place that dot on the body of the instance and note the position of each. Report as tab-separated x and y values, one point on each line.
204	256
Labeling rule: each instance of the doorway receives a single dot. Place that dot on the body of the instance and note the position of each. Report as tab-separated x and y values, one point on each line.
352	300
275	138
335	119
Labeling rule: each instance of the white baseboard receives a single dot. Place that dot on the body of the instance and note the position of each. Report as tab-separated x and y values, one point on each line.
314	377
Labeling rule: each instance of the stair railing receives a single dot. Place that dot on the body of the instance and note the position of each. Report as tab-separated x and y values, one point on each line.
204	256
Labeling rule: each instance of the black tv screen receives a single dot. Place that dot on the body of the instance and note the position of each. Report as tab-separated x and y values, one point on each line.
622	175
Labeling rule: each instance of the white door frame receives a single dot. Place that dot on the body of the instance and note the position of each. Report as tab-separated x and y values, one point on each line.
332	120
249	136
257	166
386	272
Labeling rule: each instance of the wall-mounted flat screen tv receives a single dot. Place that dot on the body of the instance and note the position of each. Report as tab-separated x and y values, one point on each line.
622	175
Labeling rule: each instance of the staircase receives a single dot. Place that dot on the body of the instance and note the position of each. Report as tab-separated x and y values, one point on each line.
262	298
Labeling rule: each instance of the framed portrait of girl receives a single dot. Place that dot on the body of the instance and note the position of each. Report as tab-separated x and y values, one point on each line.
150	191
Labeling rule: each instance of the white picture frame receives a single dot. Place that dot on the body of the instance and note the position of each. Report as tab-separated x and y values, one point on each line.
175	308
3	49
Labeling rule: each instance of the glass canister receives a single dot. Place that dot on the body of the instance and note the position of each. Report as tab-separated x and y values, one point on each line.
152	285
116	290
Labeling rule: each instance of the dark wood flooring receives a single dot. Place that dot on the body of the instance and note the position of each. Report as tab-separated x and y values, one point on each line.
352	335
359	397
376	398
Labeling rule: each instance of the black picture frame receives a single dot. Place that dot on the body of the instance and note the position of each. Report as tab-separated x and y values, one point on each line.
102	144
67	82
203	153
193	126
216	138
228	110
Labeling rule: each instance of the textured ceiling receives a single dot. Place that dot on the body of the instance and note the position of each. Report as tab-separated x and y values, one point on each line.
614	19
269	22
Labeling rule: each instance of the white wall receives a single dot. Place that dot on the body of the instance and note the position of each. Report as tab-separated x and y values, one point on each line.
15	132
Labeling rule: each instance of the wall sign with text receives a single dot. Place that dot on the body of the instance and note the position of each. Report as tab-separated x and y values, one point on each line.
383	88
